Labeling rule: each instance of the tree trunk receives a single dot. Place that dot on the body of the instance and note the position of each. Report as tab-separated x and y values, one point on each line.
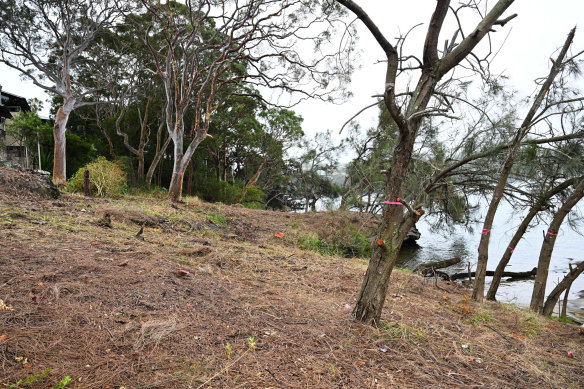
253	180
395	226
491	294
565	284
393	230
178	172
547	248
160	150
60	157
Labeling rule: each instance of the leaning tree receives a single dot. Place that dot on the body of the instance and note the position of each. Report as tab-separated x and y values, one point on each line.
47	42
409	107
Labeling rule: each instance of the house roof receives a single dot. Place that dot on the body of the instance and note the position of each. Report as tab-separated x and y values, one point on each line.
9	102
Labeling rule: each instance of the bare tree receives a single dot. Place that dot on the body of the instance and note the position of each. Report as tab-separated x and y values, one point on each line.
47	42
409	108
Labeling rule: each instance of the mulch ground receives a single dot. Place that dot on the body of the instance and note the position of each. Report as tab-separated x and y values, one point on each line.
207	296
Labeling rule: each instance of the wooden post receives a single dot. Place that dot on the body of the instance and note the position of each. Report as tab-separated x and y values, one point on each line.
86	183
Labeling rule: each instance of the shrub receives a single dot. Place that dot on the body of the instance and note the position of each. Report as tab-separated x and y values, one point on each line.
107	178
254	198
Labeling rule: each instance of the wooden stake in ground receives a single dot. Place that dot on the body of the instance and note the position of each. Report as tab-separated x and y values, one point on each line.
86	183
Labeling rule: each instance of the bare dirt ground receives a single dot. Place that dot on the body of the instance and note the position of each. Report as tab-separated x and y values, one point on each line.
177	306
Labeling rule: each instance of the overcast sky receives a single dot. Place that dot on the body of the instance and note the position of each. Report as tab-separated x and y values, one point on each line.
540	28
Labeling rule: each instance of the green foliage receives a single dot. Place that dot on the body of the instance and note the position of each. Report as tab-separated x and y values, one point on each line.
218	191
62	383
403	331
351	243
107	179
154	191
37	378
254	198
481	317
31	379
25	126
217	219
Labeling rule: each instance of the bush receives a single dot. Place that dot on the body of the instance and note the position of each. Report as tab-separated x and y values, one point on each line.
254	198
107	178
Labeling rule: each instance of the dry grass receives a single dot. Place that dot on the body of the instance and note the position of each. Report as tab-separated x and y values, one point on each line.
111	309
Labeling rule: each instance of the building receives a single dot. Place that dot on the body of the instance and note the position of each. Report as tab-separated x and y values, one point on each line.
12	151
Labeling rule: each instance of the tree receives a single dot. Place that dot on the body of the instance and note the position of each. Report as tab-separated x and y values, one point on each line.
281	130
47	42
408	108
547	247
314	170
533	116
27	126
204	50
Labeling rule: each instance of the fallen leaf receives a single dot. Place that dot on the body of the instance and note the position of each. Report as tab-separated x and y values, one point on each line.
181	273
279	234
3	336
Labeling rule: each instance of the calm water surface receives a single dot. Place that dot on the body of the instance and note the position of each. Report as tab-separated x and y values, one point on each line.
459	242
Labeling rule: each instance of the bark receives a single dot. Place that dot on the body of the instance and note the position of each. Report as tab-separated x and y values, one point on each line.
160	150
483	250
59	135
547	248
565	284
535	209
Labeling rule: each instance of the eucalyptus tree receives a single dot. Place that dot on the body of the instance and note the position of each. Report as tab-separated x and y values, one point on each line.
202	48
409	108
47	42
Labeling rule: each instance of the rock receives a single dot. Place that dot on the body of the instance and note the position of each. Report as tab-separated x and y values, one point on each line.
19	182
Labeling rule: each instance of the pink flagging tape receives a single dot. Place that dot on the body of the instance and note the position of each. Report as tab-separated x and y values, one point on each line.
180	174
511	249
552	234
485	231
392	202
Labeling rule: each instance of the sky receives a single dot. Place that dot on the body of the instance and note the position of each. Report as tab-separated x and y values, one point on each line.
539	29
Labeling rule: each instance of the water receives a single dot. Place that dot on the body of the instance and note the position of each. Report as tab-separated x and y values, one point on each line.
459	242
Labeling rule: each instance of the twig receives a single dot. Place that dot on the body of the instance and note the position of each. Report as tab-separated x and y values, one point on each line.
278	381
498	333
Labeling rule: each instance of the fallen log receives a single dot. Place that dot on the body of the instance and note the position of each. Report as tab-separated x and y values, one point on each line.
515	275
428	269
